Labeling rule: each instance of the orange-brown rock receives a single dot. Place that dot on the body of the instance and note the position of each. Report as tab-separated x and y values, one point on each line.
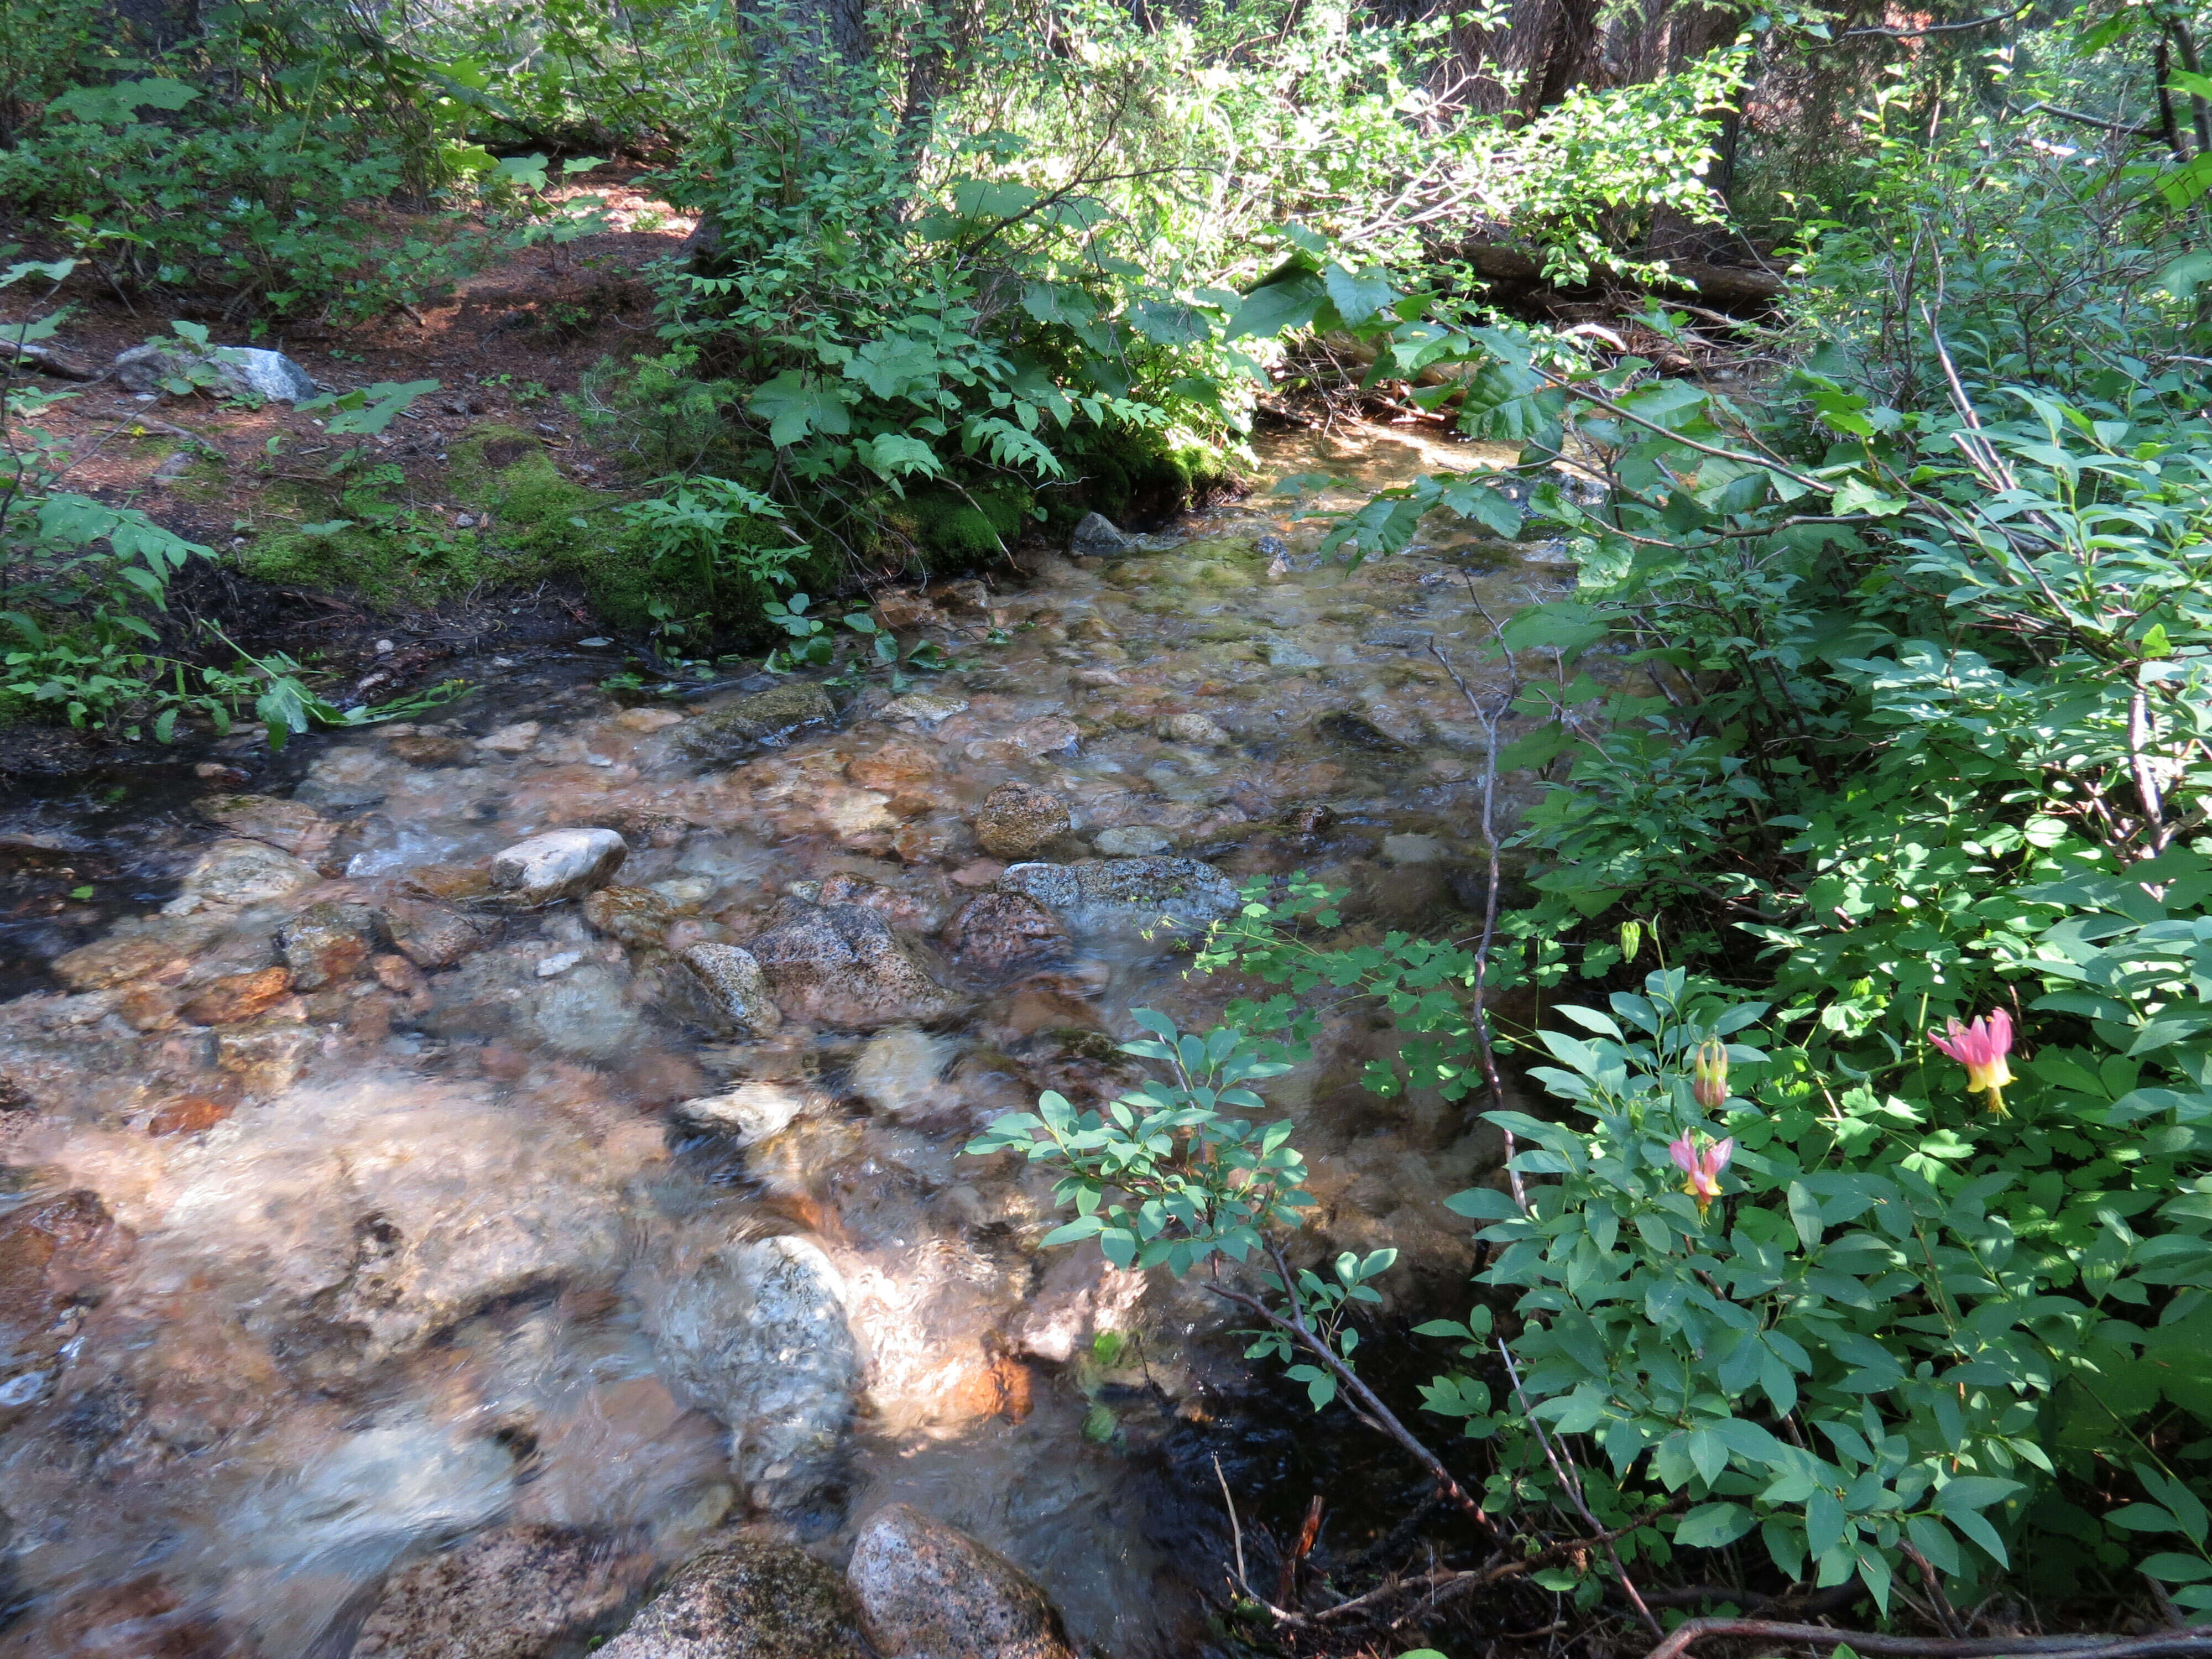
149	1007
236	997
454	883
892	765
188	1115
395	972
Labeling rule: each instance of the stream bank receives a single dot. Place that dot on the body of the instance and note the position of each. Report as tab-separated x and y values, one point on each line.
366	1223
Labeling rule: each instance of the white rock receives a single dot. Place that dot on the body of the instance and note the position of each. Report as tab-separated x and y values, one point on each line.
268	374
1111	893
748	1114
557	865
1194	728
559	964
237	370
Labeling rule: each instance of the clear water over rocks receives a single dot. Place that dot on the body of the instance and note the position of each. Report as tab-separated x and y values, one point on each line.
402	1237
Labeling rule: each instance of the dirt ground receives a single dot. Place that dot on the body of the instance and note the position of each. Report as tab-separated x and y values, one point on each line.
508	348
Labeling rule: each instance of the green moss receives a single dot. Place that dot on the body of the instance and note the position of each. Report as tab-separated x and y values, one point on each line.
205	481
534	524
957	531
547	525
1133	475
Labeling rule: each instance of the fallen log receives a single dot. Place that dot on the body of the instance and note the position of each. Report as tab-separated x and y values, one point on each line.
1722	285
50	359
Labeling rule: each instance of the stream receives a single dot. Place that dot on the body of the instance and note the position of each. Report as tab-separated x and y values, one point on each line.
378	1264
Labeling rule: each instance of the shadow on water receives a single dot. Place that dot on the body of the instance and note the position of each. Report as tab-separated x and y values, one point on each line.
470	1276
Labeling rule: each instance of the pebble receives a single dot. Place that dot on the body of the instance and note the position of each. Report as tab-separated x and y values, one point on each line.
562	964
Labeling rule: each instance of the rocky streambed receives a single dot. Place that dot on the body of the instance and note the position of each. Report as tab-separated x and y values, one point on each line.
512	1167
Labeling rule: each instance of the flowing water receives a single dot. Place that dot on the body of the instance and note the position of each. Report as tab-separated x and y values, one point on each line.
330	1313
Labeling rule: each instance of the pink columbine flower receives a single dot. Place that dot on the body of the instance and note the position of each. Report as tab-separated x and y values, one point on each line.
1704	1168
1981	1047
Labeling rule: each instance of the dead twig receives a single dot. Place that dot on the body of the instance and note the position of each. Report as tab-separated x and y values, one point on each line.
1364	1400
1571	1482
147	423
1479	1010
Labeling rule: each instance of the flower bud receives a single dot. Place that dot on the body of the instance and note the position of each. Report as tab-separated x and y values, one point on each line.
1631	939
1709	1073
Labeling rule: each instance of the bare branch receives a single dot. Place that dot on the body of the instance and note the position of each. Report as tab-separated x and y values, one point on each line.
1939	29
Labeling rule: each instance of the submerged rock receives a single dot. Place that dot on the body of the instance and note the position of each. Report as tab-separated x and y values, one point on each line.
432	935
588	1013
756	1334
428	749
49	1251
637	917
751	1600
924	706
1131	841
327	942
766	717
996	933
290	826
513	1593
748	1114
1357	731
1194	728
898	1072
841	964
232	874
557	865
1019	820
1411	848
361	1501
1095	894
732	977
237	997
519	738
1097	535
266	1055
929	1591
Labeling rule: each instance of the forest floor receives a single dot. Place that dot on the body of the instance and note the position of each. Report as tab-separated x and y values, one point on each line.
509	348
